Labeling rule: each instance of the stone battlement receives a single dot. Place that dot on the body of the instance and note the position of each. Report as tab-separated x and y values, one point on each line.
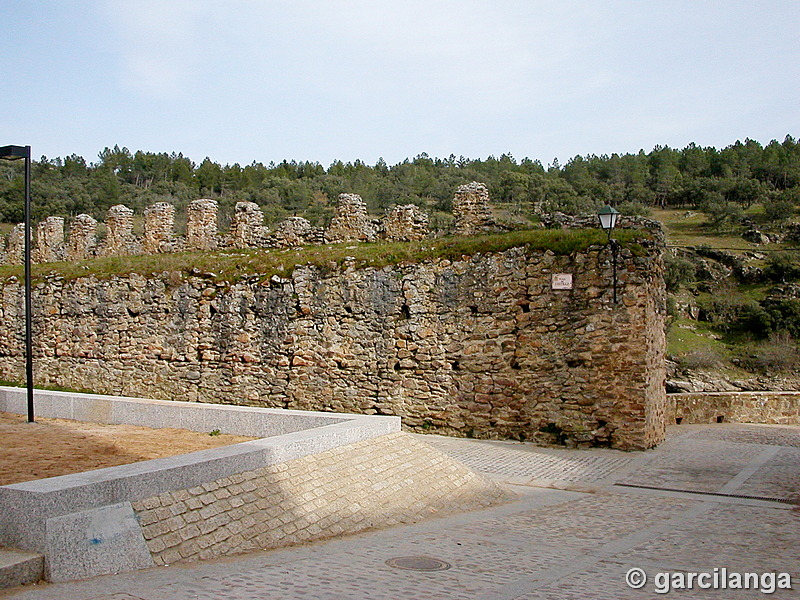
350	223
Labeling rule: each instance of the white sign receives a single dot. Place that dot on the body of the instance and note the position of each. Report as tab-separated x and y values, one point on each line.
561	281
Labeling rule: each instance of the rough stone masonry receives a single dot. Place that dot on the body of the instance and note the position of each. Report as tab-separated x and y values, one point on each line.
485	346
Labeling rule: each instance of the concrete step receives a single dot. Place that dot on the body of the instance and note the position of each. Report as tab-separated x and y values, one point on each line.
20	568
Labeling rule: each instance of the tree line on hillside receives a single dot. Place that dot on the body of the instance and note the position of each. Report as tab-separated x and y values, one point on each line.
722	183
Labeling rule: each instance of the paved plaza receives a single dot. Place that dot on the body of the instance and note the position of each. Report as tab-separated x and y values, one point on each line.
720	500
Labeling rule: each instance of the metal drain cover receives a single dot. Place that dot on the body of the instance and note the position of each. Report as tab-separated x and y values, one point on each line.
418	563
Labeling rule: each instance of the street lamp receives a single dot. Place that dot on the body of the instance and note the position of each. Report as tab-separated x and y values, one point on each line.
608	216
15	153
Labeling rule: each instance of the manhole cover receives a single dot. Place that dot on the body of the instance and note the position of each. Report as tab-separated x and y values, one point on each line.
418	563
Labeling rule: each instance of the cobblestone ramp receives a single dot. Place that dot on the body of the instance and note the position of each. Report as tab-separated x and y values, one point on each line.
371	484
531	462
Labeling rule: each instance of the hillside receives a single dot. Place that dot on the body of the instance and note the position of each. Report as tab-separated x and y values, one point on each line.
734	302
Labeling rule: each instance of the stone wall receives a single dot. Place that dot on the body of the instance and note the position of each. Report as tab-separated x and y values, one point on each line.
119	231
405	223
159	228
350	221
247	228
487	346
472	211
734	407
296	231
49	240
82	238
201	225
15	245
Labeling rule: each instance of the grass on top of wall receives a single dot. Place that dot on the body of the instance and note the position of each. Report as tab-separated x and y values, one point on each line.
19	383
233	264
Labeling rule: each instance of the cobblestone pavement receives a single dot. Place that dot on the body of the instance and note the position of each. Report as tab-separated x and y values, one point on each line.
523	463
572	533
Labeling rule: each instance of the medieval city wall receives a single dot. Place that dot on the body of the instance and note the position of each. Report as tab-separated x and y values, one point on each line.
350	223
492	345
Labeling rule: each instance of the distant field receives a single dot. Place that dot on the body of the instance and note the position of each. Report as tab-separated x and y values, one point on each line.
687	228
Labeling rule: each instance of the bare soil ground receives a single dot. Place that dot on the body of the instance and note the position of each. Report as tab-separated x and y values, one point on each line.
52	447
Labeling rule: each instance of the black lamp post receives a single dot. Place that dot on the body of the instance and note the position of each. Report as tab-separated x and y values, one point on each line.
608	216
15	153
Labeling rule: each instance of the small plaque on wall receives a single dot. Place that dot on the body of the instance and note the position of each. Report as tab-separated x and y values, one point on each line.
561	281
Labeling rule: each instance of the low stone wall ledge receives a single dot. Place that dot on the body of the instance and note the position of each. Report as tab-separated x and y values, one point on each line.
779	408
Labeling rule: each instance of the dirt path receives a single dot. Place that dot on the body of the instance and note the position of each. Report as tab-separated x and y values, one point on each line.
52	447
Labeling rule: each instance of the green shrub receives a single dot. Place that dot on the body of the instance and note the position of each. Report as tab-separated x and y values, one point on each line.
634	209
782	267
722	215
678	271
781	315
778	209
672	307
731	311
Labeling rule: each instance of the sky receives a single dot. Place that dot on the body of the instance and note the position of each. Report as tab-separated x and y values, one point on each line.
322	80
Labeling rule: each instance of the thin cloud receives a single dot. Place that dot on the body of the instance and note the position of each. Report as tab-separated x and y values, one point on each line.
159	44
